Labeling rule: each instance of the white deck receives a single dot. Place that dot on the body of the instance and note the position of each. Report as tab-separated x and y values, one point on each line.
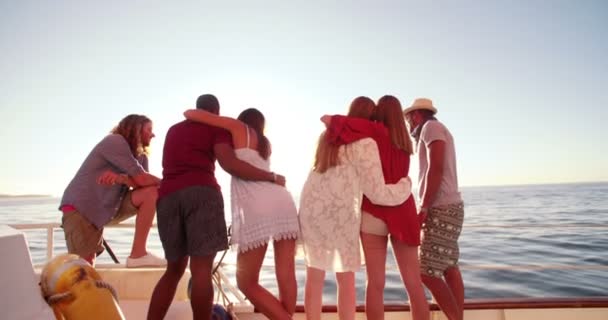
18	282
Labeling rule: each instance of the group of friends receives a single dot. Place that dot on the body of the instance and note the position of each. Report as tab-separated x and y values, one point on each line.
357	194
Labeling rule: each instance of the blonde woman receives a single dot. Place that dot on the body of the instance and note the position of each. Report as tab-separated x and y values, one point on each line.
330	212
378	222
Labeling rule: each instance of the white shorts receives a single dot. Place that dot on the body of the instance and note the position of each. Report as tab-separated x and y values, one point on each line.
373	225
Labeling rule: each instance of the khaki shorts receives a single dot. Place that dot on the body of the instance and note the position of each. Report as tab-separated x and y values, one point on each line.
83	238
373	225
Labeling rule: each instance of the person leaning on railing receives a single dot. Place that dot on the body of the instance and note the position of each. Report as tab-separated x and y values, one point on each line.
191	222
113	184
442	209
378	221
330	212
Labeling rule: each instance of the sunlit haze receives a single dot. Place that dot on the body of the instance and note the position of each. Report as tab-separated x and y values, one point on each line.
522	85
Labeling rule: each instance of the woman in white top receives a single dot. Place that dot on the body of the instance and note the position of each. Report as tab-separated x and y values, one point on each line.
330	213
261	211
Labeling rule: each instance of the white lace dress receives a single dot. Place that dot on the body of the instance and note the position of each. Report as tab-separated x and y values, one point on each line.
330	206
261	211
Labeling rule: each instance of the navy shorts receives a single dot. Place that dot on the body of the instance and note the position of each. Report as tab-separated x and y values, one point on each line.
191	223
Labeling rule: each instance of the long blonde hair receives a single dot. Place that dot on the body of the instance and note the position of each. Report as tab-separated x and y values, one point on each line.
130	128
390	114
327	153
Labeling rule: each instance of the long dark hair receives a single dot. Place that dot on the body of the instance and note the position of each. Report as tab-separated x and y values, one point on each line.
255	119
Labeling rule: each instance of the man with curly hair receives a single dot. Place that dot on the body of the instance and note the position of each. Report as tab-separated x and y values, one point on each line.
112	185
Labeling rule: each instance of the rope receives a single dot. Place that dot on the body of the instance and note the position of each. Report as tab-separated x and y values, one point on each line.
109	250
58	297
225	251
230	309
218	284
105	285
217	280
219	263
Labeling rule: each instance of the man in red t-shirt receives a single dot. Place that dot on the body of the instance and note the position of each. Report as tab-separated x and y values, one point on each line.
190	208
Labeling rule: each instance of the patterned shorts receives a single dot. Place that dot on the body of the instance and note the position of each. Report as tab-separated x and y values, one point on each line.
439	248
191	223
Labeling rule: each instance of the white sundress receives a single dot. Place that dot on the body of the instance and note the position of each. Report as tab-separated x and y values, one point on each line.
261	211
330	206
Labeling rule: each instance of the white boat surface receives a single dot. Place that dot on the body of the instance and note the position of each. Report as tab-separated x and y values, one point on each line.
21	297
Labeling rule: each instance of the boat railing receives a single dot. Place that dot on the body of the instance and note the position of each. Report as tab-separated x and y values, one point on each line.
50	230
230	293
51	227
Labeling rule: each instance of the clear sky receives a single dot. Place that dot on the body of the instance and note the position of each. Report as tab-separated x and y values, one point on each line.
522	85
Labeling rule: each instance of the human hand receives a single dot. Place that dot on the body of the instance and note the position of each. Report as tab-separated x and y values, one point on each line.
326	119
422	215
408	180
279	179
108	178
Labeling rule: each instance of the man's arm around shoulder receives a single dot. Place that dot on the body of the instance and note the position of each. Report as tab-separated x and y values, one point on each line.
241	169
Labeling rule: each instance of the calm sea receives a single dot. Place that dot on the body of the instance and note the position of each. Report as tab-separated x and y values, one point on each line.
517	241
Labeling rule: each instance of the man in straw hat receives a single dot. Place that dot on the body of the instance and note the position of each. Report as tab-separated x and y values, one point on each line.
441	208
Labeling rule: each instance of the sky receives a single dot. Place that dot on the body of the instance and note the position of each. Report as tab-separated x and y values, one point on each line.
522	85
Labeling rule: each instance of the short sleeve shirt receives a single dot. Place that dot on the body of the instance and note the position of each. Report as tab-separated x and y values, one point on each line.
448	193
188	156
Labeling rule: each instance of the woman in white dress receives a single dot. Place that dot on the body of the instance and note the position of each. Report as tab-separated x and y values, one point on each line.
330	213
261	212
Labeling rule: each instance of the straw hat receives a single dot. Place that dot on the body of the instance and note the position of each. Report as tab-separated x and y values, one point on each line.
421	104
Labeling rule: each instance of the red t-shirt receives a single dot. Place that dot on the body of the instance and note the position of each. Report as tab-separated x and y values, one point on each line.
401	220
188	157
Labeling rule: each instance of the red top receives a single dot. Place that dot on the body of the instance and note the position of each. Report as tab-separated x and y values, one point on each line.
401	220
188	157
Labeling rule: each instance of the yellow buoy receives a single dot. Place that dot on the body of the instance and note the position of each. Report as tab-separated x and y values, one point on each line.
74	290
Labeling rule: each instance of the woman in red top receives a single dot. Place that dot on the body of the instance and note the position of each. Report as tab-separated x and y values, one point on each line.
377	222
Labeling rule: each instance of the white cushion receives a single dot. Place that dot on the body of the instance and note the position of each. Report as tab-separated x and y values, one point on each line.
21	295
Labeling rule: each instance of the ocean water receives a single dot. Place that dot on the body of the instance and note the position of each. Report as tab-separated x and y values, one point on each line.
517	241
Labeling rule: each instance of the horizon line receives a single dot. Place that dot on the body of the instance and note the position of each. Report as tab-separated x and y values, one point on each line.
43	195
516	184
